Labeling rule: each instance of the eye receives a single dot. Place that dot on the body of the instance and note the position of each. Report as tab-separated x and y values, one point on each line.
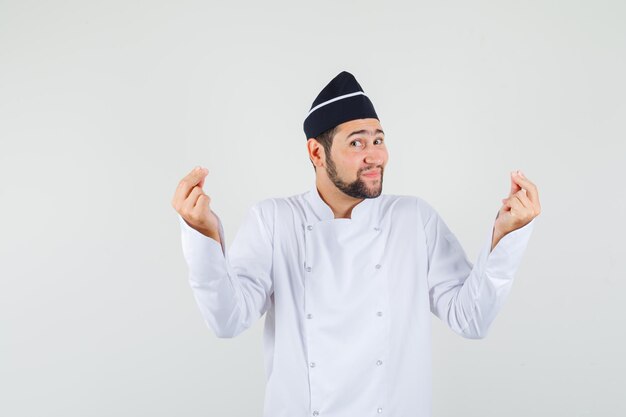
381	140
355	141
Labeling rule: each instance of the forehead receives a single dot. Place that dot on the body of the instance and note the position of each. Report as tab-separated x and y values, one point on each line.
358	124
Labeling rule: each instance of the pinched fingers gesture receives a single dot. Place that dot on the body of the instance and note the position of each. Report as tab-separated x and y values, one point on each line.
192	203
520	207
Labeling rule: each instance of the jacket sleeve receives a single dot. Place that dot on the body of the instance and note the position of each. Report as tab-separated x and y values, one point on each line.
232	288
465	296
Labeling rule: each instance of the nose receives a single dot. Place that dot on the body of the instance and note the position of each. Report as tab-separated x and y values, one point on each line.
375	157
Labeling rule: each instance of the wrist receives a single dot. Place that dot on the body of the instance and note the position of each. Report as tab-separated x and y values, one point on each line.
213	234
496	236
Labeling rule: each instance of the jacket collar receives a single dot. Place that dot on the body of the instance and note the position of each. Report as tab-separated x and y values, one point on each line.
323	211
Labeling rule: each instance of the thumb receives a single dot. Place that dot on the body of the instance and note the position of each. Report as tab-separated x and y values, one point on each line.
203	177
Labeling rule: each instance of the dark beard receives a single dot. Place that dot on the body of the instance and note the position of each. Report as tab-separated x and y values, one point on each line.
357	188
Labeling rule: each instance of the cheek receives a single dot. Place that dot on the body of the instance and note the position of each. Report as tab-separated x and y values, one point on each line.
348	169
347	161
354	164
385	157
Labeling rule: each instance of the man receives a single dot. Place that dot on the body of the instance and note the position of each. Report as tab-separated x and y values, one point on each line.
348	276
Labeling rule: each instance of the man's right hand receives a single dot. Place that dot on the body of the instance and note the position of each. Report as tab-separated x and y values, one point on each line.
193	205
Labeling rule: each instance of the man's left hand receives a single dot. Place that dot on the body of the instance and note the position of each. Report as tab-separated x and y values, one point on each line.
519	208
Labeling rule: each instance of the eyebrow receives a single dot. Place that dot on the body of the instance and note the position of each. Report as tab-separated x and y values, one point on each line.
359	132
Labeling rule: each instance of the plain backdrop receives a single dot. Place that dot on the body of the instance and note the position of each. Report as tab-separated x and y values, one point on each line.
105	106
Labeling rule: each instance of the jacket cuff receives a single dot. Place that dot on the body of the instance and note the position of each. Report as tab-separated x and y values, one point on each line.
505	258
197	244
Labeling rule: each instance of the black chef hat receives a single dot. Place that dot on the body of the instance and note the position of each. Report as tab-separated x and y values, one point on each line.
341	100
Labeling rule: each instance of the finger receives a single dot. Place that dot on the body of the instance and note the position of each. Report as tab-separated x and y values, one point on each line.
186	184
205	200
191	200
190	180
201	183
201	206
514	186
528	204
206	172
523	198
516	206
506	204
528	185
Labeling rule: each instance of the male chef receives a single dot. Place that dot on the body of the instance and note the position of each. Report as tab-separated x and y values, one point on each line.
347	276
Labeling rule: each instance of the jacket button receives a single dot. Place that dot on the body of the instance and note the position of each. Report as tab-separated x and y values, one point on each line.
379	362
309	316
312	364
377	266
379	314
377	229
308	269
316	413
309	227
380	410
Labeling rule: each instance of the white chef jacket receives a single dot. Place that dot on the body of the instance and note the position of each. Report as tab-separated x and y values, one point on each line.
347	328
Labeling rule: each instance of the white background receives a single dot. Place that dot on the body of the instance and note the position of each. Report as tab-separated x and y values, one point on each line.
104	106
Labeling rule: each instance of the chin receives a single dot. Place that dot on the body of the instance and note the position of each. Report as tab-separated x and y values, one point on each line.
375	192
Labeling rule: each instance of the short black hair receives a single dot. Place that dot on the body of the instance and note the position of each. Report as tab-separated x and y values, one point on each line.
326	139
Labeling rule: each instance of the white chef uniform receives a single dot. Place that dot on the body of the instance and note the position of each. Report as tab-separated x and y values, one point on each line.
347	330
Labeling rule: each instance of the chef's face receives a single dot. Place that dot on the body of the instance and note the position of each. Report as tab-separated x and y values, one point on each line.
358	158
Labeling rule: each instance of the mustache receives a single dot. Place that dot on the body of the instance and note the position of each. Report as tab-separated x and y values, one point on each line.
372	169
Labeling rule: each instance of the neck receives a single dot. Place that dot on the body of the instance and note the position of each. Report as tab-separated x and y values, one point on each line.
340	203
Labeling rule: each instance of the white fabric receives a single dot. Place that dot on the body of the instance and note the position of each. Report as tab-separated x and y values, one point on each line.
348	301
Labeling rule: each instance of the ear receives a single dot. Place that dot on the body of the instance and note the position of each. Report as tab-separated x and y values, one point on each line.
316	152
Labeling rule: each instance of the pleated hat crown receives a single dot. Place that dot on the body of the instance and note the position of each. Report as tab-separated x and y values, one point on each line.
341	100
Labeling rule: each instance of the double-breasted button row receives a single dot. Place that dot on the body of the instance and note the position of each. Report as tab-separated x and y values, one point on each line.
309	269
